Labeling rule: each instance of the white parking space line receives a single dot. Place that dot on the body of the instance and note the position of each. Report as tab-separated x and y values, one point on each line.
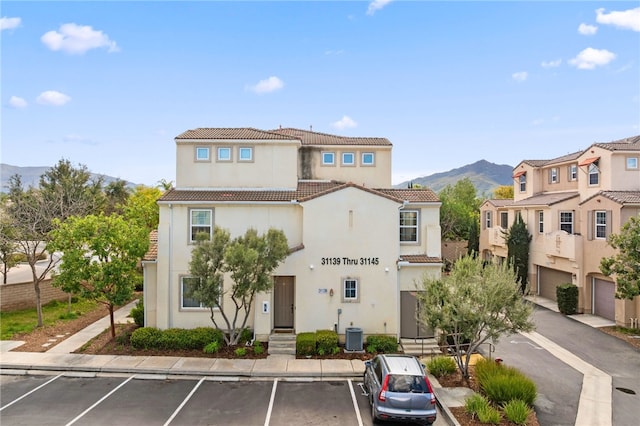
99	401
355	403
273	396
30	392
186	399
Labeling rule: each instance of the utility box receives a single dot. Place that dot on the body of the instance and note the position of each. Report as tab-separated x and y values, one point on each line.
353	339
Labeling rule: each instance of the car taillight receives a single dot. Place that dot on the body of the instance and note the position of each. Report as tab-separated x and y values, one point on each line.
433	396
382	396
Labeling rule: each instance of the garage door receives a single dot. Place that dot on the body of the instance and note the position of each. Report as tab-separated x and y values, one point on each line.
604	303
549	279
410	327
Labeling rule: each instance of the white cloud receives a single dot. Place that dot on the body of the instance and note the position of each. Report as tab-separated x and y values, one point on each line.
520	76
590	58
626	19
79	139
377	5
17	102
9	23
53	98
269	85
345	122
537	122
551	64
586	29
334	52
77	39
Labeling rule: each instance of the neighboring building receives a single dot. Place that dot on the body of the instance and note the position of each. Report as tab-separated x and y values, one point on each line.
571	204
357	246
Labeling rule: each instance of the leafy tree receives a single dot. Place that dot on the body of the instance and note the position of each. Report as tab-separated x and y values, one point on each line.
7	246
460	208
504	192
625	265
473	245
249	260
477	302
142	207
518	238
165	185
100	255
116	193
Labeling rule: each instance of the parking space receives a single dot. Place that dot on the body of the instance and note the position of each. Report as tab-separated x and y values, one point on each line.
61	400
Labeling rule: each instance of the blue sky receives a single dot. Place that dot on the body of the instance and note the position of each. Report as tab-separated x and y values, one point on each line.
110	84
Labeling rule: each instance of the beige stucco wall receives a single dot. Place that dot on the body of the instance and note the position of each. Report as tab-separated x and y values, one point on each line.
273	166
429	233
563	183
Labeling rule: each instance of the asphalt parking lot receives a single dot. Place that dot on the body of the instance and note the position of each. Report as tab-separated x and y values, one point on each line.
123	400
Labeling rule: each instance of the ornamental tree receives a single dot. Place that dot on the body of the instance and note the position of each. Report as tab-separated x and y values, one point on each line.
625	265
476	302
518	238
99	258
460	208
249	259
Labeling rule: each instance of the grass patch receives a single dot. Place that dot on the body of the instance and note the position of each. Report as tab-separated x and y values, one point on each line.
629	331
26	320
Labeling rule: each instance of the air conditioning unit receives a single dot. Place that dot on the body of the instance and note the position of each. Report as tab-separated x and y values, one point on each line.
353	339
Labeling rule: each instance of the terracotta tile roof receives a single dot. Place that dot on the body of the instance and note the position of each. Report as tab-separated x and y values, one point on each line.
230	133
620	197
419	195
152	253
314	138
562	159
499	202
419	258
547	199
627	144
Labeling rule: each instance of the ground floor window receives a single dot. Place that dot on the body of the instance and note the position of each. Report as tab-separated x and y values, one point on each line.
187	301
350	290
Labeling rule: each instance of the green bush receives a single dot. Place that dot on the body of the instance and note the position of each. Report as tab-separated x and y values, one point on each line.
242	351
202	336
486	368
475	403
306	343
567	296
174	339
381	343
212	348
69	315
501	389
245	336
441	366
326	341
258	349
146	338
137	313
517	411
488	414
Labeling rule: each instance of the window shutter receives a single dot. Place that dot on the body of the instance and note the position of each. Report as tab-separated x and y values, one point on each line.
549	175
590	224
484	220
609	219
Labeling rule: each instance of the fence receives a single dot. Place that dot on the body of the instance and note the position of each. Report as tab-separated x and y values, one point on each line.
22	295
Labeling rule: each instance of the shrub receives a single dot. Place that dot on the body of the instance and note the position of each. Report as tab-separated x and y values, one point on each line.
241	351
202	336
488	414
146	338
486	368
306	343
174	338
258	349
517	411
501	389
326	341
137	313
212	347
567	296
475	403
69	315
441	366
381	343
245	336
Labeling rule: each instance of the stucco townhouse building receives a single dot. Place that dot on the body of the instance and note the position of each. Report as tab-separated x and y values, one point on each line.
357	246
571	204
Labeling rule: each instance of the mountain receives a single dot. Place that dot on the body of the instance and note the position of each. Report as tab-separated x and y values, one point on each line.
31	176
485	176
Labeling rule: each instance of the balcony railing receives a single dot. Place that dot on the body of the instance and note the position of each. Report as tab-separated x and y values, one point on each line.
561	244
496	237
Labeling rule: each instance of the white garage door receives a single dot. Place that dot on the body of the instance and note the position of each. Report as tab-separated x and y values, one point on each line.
549	279
604	303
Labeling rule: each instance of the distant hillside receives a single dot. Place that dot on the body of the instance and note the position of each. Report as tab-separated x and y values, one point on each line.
485	176
31	176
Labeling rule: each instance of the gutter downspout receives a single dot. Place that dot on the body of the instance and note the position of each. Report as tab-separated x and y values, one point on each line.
170	279
398	307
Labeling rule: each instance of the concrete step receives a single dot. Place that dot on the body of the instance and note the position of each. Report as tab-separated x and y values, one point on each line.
282	344
281	351
419	347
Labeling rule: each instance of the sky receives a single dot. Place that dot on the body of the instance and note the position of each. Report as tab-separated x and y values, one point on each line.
109	85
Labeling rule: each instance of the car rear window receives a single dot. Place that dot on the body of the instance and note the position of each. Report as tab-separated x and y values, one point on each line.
407	383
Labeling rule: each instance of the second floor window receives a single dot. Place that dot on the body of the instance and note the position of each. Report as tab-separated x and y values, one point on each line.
200	220
368	159
409	226
245	153
523	183
553	175
540	222
202	153
487	219
573	172
328	158
632	163
601	224
348	159
504	220
224	154
566	222
594	174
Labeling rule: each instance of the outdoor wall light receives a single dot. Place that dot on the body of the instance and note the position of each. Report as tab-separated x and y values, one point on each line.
331	292
311	267
386	269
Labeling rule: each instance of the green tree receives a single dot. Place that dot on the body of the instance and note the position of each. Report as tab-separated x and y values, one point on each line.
518	238
7	246
504	192
460	208
142	207
165	185
100	255
116	193
476	303
625	265
473	244
249	259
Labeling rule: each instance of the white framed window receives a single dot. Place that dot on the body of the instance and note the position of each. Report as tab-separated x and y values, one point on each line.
487	219
187	301
632	163
224	153
600	223
409	226
594	174
540	222
350	290
348	159
573	172
504	220
245	153
200	220
566	222
202	153
328	158
553	175
523	182
368	159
